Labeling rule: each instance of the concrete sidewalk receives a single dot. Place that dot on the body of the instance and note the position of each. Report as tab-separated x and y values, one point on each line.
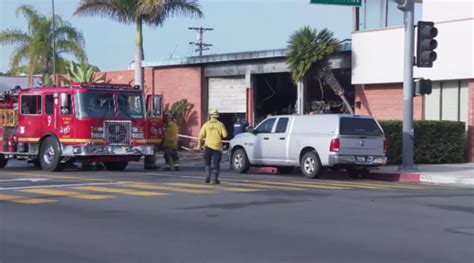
458	174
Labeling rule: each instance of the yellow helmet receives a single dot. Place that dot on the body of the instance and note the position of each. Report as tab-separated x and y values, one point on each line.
214	113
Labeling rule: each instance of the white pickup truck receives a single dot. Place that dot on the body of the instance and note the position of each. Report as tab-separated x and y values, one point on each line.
351	142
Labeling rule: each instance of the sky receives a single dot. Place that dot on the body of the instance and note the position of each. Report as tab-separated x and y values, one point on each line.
239	25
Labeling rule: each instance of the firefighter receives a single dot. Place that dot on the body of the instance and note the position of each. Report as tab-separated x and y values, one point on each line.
212	132
170	143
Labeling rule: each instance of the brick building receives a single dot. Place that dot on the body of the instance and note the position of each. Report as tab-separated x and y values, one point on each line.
377	63
246	85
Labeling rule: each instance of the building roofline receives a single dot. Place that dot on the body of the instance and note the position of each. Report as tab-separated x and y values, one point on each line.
226	57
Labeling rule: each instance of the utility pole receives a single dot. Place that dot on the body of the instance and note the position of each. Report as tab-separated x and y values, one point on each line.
408	132
201	46
54	44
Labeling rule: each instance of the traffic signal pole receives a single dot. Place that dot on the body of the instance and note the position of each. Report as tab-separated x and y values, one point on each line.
408	130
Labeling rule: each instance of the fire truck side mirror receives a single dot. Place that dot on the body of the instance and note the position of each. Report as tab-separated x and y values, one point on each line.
64	100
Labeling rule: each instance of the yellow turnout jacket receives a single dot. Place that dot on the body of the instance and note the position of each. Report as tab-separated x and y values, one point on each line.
213	131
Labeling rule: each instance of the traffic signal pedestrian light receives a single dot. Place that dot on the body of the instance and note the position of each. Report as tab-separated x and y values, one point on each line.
423	87
426	44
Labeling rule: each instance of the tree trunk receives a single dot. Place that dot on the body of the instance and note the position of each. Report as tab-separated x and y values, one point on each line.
331	80
139	53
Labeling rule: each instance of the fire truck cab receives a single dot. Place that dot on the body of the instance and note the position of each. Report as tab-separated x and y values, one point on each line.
53	126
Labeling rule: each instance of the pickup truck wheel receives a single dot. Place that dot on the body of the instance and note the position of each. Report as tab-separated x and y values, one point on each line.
310	165
50	158
116	166
3	161
240	162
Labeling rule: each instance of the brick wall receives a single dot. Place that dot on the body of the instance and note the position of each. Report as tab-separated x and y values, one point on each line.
385	101
174	83
182	83
470	122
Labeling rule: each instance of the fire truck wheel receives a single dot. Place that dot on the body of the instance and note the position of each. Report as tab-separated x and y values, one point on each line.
3	161
116	166
49	155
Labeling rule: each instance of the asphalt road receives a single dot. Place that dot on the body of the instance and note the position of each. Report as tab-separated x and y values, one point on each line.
139	216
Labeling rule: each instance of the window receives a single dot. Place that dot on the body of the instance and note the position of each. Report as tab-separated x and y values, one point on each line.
266	126
356	126
130	105
281	125
49	104
31	104
67	110
92	104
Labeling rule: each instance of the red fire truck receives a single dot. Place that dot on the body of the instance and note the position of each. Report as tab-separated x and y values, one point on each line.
54	126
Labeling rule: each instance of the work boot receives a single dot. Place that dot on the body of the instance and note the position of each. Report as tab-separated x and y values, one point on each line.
215	176
208	174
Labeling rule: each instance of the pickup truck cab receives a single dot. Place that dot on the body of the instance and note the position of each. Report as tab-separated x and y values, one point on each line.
311	142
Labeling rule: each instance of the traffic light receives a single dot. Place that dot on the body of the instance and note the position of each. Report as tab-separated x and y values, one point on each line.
426	44
423	87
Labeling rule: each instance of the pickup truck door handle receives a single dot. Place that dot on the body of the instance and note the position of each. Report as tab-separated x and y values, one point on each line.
282	138
265	138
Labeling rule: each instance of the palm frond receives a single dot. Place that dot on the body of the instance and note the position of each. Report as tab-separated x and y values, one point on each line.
162	10
66	46
123	11
31	15
14	36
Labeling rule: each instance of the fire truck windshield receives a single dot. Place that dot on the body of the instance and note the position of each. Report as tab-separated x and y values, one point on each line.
101	105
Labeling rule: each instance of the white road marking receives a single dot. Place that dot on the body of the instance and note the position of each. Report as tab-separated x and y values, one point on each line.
33	180
57	186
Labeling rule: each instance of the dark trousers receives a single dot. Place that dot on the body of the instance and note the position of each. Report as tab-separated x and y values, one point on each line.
211	155
171	157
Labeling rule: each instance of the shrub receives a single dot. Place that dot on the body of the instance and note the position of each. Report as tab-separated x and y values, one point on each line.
435	141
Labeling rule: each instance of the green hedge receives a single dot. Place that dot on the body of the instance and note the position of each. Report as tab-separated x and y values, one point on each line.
435	141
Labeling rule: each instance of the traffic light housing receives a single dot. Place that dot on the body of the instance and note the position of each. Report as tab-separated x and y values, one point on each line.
426	44
423	87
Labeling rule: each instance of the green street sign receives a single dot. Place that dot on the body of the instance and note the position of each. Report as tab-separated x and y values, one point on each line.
337	2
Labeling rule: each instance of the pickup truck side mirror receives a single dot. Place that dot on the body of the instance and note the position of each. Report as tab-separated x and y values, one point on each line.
251	130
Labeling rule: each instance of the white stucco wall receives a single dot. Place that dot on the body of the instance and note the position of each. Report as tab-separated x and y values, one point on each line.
377	56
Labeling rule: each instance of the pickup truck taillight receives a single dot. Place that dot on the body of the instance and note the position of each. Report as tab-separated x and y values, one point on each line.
335	145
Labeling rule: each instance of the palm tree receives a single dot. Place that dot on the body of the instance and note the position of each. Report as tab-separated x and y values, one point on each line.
308	56
35	45
150	12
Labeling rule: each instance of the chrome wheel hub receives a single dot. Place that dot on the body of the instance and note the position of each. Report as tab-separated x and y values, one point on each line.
309	165
49	155
238	161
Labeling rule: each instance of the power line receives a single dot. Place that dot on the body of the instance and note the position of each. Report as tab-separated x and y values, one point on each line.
201	46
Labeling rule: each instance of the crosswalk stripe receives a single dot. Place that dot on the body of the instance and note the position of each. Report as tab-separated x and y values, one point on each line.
118	191
343	184
364	184
53	192
217	187
388	185
306	185
270	187
168	188
24	200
